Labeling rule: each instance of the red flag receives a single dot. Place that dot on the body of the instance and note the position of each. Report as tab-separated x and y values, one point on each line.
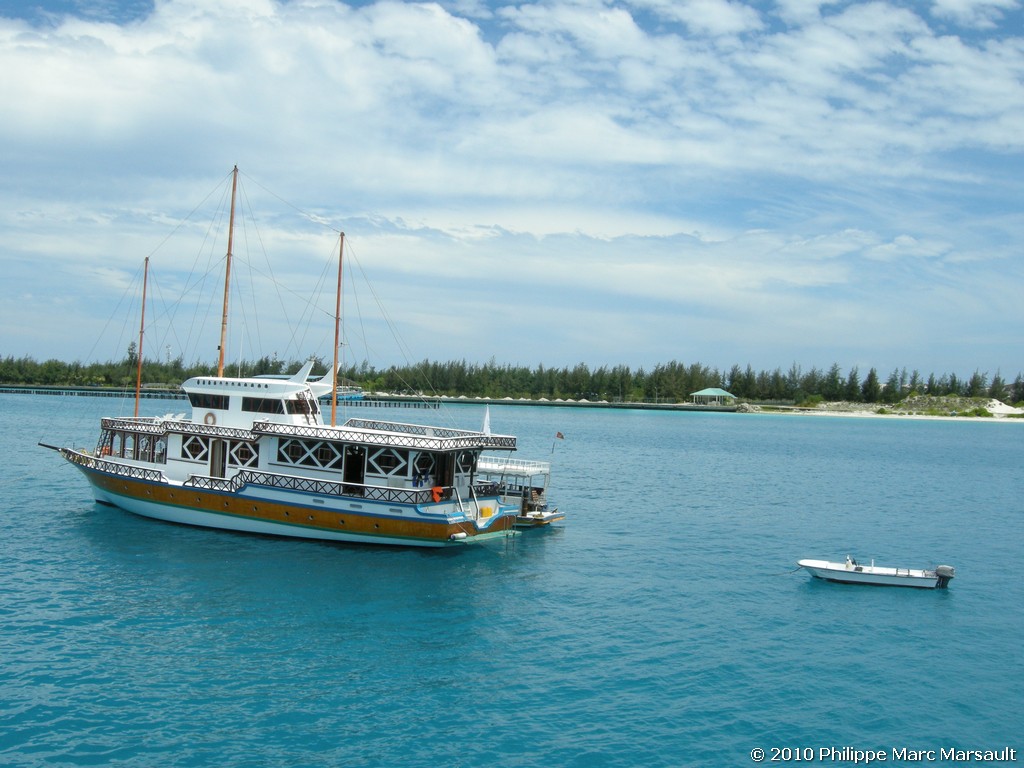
559	436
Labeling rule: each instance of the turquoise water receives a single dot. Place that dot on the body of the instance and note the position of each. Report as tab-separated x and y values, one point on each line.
662	625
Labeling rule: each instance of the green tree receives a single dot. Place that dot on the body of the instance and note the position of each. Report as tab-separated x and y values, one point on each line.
853	391
1017	390
997	389
893	392
915	384
977	385
871	390
832	385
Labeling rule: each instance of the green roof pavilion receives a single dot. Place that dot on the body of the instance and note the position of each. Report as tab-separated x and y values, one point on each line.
713	396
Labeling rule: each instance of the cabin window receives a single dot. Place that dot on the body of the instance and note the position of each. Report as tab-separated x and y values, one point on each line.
424	464
290	451
244	454
310	453
262	405
327	455
388	461
302	407
195	448
207	400
423	469
466	461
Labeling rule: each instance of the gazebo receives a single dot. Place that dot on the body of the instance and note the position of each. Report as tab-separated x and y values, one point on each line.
713	396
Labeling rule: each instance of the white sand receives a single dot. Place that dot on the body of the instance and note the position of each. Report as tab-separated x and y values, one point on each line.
999	411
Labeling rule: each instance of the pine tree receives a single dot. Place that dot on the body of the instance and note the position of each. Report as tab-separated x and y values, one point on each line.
997	389
871	389
853	393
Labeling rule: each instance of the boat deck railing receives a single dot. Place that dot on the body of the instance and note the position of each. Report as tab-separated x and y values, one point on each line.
112	467
159	426
362	432
311	485
389	434
386	494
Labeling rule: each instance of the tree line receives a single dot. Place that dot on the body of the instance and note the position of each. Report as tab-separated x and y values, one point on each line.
664	383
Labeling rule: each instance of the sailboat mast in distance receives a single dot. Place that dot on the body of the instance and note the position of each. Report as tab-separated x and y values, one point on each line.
142	327
337	334
227	275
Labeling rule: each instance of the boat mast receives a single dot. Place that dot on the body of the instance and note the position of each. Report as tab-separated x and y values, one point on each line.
227	275
337	335
142	326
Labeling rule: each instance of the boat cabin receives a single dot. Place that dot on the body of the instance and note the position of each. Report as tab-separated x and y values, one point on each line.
239	402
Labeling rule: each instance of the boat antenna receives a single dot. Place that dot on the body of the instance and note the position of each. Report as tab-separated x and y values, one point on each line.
142	326
227	275
337	335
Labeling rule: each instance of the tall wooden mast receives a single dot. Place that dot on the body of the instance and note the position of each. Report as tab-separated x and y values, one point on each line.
227	275
142	327
337	335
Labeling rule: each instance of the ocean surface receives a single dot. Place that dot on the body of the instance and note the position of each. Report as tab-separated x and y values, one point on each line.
662	625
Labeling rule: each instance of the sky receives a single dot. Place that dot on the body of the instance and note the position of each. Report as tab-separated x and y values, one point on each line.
532	183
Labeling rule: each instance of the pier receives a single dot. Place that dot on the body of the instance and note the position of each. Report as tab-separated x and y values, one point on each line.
375	400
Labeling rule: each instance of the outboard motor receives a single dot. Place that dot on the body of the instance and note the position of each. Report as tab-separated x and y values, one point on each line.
945	573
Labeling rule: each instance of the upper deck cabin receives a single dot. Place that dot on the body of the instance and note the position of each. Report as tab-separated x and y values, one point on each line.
239	402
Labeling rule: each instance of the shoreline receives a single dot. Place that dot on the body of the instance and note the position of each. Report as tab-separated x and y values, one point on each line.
846	410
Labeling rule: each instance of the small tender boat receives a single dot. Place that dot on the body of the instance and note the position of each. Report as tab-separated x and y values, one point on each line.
523	483
852	572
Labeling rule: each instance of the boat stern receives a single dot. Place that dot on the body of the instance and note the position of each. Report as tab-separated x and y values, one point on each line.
945	574
494	520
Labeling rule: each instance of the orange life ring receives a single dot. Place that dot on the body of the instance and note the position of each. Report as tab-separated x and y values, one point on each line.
436	492
210	418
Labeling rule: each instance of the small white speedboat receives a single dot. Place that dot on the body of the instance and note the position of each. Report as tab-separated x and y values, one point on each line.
852	572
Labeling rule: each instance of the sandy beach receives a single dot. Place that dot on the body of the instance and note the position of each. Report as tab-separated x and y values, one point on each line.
912	409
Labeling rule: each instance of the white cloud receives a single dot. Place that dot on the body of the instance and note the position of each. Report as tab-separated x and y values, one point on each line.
712	17
983	14
693	166
605	32
798	12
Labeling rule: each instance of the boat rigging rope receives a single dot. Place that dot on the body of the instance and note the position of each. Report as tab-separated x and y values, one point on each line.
786	573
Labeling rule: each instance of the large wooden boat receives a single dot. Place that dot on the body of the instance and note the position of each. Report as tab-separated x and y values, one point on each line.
256	455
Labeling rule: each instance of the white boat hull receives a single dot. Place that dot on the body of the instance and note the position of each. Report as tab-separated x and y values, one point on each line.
538	518
852	572
227	522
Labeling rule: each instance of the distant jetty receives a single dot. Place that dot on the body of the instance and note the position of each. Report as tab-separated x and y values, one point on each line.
155	393
556	402
375	399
